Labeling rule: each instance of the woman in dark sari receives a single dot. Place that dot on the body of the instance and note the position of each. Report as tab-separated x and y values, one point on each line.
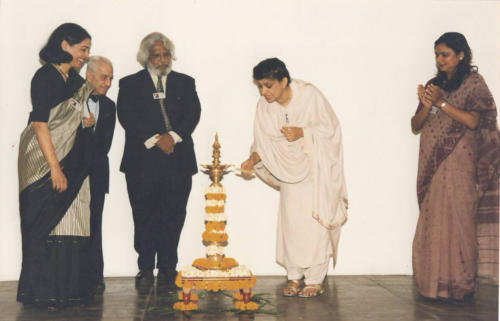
456	238
53	163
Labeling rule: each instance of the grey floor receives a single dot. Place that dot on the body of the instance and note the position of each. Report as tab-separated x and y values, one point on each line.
347	298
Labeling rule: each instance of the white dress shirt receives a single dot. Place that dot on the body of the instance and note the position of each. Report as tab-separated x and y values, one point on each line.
94	109
154	77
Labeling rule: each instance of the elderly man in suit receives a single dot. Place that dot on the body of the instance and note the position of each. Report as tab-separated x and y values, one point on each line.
159	109
102	114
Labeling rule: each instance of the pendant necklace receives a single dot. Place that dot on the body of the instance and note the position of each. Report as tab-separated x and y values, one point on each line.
63	74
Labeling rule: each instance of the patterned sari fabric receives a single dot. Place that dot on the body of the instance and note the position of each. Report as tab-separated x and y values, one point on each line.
458	194
50	267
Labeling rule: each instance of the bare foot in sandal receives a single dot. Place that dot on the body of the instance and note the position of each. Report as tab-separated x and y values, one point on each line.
311	291
292	288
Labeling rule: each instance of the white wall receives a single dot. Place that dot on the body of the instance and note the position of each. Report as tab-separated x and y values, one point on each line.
367	57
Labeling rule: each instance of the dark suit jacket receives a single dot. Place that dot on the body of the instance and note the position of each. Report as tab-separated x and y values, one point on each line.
141	117
103	136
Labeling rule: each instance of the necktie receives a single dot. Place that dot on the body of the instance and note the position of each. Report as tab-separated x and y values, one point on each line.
159	88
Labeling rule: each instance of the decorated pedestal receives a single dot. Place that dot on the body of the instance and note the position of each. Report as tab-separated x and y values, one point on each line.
215	272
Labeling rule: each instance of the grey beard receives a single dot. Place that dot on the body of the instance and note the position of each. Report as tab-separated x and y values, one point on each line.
157	72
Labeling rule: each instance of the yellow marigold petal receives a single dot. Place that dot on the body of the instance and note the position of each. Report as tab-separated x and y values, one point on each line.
185	307
178	280
214	196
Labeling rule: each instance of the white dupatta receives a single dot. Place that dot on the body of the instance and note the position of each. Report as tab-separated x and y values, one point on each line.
319	153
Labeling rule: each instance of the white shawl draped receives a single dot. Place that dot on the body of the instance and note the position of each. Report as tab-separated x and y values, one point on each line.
319	153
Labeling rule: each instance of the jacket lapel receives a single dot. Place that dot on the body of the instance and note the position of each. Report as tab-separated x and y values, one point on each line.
148	85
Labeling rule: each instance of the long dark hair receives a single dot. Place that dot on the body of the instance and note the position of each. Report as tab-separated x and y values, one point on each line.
272	68
456	42
52	51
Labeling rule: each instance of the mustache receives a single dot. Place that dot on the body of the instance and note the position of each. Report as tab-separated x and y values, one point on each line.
159	66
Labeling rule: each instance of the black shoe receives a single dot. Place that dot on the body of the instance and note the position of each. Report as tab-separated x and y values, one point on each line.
100	287
144	278
166	280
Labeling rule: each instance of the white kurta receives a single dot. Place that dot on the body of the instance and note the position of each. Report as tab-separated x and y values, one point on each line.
308	172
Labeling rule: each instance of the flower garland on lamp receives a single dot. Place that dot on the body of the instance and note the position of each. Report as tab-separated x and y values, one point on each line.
215	272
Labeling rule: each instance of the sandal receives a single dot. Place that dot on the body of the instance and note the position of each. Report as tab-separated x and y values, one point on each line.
292	288
317	291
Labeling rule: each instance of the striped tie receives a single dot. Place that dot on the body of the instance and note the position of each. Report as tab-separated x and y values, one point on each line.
159	88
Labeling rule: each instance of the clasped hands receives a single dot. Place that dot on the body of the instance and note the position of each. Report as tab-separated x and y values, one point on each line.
165	143
429	95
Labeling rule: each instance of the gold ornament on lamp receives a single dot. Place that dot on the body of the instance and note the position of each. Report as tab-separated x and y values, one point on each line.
215	271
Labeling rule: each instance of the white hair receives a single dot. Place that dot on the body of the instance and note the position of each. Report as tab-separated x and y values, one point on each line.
94	61
147	43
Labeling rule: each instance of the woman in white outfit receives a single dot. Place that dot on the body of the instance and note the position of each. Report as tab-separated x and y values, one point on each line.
298	149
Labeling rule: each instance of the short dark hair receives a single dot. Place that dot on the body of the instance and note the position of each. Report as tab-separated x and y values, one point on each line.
271	68
52	51
456	42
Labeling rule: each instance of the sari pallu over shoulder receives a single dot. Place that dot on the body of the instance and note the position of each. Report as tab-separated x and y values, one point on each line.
488	172
73	150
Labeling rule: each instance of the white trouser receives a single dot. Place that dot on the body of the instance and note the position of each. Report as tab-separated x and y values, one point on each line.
312	275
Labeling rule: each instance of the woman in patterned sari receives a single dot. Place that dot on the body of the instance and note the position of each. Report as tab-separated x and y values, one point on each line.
458	176
53	163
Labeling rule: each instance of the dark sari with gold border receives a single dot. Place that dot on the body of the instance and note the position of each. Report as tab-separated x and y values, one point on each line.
51	265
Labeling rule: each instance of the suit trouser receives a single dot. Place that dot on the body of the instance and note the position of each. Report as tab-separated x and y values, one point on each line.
96	260
159	210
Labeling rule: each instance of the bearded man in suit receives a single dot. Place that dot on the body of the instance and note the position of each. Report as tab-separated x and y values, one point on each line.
102	112
159	110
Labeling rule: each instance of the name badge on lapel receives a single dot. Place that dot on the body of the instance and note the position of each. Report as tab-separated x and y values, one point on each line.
159	95
75	104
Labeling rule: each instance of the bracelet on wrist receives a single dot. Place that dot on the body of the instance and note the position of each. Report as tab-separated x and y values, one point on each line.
442	104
